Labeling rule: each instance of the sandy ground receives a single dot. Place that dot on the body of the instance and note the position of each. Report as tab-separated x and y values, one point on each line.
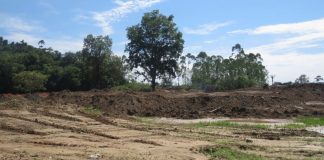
53	135
62	132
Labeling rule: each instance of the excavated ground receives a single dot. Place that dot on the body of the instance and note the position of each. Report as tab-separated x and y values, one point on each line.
303	100
55	126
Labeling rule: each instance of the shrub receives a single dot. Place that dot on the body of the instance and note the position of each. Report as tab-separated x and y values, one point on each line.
29	81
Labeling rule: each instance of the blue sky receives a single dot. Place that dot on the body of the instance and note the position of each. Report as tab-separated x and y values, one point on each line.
289	34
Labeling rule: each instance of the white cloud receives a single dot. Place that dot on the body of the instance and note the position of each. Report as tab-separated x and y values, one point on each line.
106	18
283	57
62	44
300	35
205	29
287	67
306	27
293	43
16	24
17	29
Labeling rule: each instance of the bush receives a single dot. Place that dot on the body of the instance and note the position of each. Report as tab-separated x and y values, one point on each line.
29	81
134	86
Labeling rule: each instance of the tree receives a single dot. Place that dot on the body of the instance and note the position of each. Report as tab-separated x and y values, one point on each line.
41	43
272	77
302	79
182	71
318	78
29	81
96	51
238	71
94	67
155	46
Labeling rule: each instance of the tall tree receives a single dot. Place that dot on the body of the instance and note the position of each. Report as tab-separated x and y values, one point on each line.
94	54
238	71
272	77
155	46
41	43
302	79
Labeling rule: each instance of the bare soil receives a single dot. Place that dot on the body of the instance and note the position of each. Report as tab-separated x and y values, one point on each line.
303	100
52	126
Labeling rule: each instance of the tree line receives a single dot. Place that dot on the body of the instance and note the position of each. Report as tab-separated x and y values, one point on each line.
24	68
154	53
240	70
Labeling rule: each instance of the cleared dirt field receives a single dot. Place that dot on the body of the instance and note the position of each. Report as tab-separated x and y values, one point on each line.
68	125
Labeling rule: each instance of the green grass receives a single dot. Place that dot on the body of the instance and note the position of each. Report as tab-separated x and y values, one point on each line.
229	154
228	124
311	121
92	111
303	122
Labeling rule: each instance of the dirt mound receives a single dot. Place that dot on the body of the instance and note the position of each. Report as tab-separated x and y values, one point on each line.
281	102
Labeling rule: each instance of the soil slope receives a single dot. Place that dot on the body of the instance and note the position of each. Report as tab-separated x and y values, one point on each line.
280	102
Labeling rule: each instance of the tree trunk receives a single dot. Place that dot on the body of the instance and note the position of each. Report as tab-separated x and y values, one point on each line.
153	83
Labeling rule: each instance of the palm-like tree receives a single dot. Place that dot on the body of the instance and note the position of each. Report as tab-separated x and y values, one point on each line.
41	43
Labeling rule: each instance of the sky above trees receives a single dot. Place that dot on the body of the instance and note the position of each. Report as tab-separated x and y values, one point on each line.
289	34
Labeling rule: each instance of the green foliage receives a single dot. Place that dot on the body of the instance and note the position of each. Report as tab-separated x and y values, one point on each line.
228	153
303	122
94	67
114	72
29	81
155	46
132	87
100	69
238	71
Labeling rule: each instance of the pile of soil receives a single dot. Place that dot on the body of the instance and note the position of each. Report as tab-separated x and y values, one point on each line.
279	102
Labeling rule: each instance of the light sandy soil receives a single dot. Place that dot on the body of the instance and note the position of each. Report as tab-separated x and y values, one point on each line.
55	135
62	132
